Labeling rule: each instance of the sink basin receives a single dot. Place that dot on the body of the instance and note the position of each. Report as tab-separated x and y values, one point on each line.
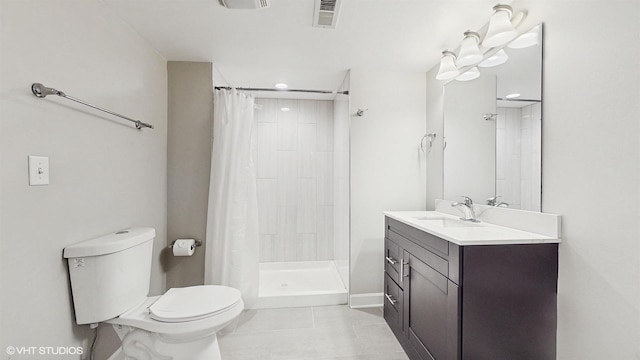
450	223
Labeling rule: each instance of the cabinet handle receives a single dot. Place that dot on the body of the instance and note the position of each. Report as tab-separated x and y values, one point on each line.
402	274
391	300
391	260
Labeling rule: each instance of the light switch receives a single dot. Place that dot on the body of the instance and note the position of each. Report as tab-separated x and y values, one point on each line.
38	170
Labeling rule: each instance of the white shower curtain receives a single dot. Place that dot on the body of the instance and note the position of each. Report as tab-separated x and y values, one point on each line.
232	247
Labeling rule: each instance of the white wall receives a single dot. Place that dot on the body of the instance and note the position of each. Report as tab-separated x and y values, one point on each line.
590	162
590	158
105	175
387	169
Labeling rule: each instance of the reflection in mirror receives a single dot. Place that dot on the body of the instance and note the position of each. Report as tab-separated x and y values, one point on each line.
492	128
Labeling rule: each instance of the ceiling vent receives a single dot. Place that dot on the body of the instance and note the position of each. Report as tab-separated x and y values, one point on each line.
325	13
245	4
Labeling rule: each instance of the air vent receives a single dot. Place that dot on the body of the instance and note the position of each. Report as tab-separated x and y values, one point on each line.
245	4
328	5
325	14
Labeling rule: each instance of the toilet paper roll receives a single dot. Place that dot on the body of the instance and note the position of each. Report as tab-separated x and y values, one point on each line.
184	247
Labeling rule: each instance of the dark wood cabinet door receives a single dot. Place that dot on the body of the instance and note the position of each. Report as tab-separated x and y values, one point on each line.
430	311
509	302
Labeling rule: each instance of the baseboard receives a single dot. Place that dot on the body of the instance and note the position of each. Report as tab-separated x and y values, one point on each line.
365	300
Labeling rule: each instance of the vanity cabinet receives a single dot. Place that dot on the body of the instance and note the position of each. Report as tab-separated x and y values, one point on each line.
448	302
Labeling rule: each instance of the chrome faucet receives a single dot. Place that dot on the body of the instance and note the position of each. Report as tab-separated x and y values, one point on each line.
493	201
467	209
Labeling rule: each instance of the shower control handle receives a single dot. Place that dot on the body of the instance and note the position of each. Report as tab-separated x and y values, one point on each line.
391	299
391	260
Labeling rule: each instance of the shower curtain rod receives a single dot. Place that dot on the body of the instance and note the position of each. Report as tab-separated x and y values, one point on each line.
283	90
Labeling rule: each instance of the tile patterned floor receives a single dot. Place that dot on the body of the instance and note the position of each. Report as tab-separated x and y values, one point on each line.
312	333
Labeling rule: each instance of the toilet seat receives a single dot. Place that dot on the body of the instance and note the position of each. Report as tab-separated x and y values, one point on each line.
215	307
193	303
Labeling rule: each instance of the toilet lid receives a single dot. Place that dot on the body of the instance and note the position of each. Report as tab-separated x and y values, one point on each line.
193	303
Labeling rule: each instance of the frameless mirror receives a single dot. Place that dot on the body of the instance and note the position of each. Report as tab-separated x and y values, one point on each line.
492	128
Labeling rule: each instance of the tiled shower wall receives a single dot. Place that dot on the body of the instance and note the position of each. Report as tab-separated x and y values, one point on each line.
294	169
518	154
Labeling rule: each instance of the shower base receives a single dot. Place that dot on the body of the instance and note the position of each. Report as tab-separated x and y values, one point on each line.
299	284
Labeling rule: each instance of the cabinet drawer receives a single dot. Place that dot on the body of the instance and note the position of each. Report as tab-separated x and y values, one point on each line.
430	258
393	304
392	260
440	254
426	240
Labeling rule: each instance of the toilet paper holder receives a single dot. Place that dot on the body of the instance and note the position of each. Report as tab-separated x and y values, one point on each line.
198	243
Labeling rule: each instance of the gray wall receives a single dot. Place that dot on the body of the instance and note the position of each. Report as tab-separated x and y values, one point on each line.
105	174
188	165
590	169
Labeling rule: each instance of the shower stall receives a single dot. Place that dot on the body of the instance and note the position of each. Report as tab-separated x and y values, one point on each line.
301	154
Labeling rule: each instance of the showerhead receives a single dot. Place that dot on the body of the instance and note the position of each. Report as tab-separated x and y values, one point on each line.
42	91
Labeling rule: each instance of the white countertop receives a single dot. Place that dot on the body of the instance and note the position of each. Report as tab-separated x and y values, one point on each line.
460	232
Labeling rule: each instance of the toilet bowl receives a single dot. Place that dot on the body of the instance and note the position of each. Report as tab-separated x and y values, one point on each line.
110	284
181	324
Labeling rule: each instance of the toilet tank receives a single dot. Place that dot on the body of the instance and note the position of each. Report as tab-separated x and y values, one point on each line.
110	274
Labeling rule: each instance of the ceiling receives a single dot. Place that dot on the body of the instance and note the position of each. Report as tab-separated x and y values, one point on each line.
258	48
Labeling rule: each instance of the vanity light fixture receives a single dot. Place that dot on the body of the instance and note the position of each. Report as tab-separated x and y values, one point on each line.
512	96
496	59
501	29
448	69
469	53
281	86
470	74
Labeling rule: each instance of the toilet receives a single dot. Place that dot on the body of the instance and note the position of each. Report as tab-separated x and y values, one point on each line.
110	284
